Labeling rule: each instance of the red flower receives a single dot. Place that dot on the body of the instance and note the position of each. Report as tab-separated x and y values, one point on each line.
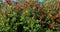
16	3
54	17
58	15
31	4
59	1
51	25
17	7
25	4
8	1
41	16
39	7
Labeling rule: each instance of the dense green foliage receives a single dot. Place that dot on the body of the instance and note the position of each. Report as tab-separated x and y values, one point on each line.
33	16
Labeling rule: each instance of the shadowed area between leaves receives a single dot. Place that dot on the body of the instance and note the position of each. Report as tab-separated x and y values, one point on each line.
20	28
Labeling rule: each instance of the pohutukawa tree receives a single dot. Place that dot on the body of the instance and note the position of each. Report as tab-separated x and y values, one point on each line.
30	16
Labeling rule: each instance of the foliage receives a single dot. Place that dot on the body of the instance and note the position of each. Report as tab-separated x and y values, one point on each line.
34	16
